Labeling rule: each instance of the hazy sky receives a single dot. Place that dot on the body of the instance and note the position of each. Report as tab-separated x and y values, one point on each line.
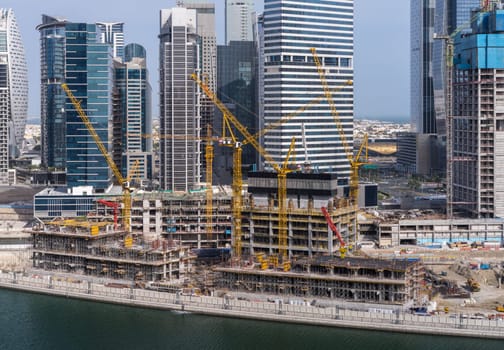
381	44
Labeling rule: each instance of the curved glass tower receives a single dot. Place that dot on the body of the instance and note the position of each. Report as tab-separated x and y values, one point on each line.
13	90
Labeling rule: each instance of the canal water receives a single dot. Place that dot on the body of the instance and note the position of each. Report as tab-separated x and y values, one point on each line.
32	321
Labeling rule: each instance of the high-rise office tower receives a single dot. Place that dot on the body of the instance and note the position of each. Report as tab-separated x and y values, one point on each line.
258	34
179	153
13	90
133	120
113	33
239	20
237	88
291	79
205	28
450	15
426	151
423	119
70	53
478	118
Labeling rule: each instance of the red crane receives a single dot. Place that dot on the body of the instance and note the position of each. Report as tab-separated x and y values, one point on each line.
342	248
114	205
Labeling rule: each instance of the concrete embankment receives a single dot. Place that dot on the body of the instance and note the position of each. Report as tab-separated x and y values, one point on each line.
228	307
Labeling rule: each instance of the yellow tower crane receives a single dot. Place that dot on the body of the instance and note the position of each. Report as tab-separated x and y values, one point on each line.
209	156
448	91
229	121
124	182
233	142
355	161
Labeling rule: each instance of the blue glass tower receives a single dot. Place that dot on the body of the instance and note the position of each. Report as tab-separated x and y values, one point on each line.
71	53
237	88
478	118
449	15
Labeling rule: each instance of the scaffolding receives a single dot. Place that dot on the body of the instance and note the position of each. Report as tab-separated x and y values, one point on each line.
352	279
308	231
77	250
182	218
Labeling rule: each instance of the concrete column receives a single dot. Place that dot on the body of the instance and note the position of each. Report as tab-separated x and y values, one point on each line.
310	237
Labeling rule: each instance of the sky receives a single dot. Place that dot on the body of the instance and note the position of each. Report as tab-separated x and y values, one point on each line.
381	57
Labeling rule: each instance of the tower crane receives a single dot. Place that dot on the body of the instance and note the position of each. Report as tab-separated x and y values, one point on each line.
355	161
124	182
209	156
448	81
114	205
230	121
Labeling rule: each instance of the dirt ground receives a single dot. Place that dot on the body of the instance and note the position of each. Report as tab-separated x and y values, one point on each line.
9	194
455	265
14	260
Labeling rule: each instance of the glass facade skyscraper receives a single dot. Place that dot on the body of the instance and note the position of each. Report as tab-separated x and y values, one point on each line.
449	15
291	79
237	88
13	90
478	118
179	153
423	119
71	53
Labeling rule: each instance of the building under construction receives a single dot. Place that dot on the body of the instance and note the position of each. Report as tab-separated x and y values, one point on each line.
176	216
308	229
182	217
95	248
352	279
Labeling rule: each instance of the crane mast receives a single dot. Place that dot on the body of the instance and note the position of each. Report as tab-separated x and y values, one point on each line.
128	242
229	121
354	161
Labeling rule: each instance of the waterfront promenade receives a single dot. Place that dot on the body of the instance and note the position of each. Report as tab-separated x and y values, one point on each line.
259	310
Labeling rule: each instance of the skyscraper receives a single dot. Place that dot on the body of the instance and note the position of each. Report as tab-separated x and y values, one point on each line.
131	80
113	33
179	100
13	90
70	53
291	79
239	20
205	29
450	15
423	119
237	88
478	118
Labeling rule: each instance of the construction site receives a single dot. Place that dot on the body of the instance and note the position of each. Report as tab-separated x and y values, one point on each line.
352	278
97	249
292	230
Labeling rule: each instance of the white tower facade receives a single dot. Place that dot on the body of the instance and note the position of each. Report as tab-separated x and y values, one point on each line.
13	90
179	154
291	80
239	20
113	33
